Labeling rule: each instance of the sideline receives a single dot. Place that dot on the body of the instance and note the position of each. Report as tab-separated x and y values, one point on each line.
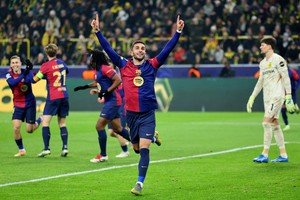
135	164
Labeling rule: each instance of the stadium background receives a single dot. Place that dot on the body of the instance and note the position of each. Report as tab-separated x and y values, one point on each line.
215	32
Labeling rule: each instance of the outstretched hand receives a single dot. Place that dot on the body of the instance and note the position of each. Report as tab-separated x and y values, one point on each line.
95	23
180	23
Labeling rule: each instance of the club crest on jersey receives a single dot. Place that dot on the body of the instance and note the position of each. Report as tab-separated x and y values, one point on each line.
138	72
281	64
24	88
269	65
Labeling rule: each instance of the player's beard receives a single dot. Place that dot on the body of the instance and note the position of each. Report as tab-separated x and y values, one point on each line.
138	58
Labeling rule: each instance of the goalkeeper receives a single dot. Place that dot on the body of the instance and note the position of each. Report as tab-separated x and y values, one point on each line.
275	82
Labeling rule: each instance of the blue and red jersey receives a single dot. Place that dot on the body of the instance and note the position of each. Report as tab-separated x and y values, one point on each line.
295	79
138	81
55	72
21	88
104	77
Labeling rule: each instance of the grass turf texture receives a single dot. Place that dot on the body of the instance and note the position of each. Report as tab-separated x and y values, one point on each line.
230	175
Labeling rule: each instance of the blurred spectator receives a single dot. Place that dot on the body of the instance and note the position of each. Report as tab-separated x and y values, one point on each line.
53	23
292	53
226	71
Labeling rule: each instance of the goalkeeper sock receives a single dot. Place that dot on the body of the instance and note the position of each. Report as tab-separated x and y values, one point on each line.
267	134
64	137
278	136
284	155
102	139
143	164
46	137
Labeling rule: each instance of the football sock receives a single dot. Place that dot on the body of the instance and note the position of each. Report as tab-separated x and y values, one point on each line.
125	134
284	155
279	138
102	138
267	135
124	148
46	137
143	164
153	140
284	116
64	137
265	155
19	142
39	120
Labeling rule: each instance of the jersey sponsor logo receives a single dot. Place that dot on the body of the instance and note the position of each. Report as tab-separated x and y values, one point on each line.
281	64
268	72
138	81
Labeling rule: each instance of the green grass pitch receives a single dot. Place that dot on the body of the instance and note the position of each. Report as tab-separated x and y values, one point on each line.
203	156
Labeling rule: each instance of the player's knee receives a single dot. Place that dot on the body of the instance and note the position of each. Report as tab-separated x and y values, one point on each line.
266	125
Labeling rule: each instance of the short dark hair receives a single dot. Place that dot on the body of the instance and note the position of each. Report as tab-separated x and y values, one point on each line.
137	42
270	40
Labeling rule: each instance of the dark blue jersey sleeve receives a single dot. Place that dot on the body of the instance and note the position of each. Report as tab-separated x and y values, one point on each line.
115	58
13	82
163	55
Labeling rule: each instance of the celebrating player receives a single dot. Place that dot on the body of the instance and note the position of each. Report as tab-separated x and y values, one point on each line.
109	81
19	80
55	72
274	80
138	75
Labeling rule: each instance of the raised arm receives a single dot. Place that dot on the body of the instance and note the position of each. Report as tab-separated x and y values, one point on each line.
115	58
163	55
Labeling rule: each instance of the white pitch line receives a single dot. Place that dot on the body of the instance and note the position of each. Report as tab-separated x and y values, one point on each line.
131	165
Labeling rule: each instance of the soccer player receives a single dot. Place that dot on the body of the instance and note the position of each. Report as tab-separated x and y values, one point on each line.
109	80
138	75
295	82
276	85
19	80
57	103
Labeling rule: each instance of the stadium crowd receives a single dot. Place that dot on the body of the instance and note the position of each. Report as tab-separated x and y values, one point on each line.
217	31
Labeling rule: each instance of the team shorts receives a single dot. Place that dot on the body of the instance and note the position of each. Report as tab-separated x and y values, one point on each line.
59	107
122	119
273	108
110	112
25	113
141	125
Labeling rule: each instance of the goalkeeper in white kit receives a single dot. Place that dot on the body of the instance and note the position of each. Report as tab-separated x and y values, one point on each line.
275	82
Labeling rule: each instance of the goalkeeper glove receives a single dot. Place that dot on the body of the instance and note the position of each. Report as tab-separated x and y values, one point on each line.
81	88
250	104
289	104
103	93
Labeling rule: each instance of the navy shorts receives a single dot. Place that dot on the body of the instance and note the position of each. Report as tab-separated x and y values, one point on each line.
141	125
110	112
59	107
122	118
25	113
